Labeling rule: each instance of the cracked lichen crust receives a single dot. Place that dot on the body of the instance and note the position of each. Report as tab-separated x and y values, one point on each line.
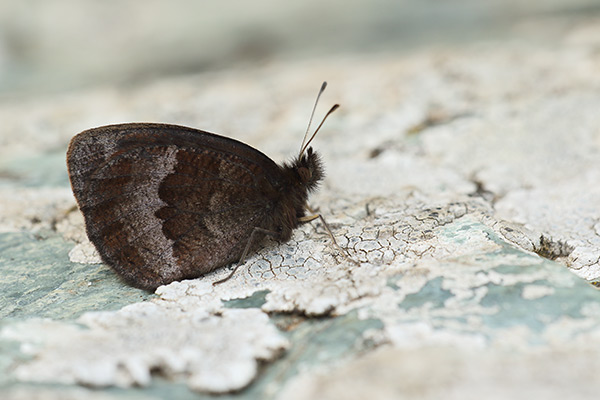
449	279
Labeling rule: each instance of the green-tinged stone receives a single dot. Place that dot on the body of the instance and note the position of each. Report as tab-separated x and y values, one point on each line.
256	300
38	280
39	170
316	341
431	293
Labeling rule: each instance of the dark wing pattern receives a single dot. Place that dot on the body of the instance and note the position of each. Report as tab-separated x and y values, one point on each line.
163	207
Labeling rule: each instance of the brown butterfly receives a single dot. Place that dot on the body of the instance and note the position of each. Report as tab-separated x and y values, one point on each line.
164	202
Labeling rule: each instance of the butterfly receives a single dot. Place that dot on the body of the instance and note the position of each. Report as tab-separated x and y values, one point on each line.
163	202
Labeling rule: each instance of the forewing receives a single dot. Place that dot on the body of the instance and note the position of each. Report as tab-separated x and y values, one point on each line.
164	202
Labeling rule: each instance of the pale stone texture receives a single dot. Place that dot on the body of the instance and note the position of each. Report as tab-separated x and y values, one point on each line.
451	373
447	171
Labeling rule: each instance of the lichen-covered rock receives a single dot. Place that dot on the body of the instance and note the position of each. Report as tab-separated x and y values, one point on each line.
463	189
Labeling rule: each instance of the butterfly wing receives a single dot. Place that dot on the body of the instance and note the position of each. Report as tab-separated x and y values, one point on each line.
165	202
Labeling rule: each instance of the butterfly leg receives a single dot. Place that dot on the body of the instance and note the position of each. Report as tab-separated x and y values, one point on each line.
308	218
335	243
249	244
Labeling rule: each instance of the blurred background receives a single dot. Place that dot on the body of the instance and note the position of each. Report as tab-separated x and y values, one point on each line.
63	45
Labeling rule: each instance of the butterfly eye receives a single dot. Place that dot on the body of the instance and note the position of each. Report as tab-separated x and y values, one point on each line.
304	173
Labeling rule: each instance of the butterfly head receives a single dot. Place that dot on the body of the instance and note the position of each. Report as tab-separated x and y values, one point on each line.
309	169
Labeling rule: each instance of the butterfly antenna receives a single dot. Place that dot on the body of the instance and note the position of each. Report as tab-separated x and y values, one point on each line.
332	109
312	114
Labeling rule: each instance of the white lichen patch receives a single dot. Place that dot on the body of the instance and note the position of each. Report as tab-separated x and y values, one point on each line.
84	253
35	209
212	353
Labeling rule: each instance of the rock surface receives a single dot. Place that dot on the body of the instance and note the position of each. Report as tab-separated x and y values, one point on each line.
463	181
